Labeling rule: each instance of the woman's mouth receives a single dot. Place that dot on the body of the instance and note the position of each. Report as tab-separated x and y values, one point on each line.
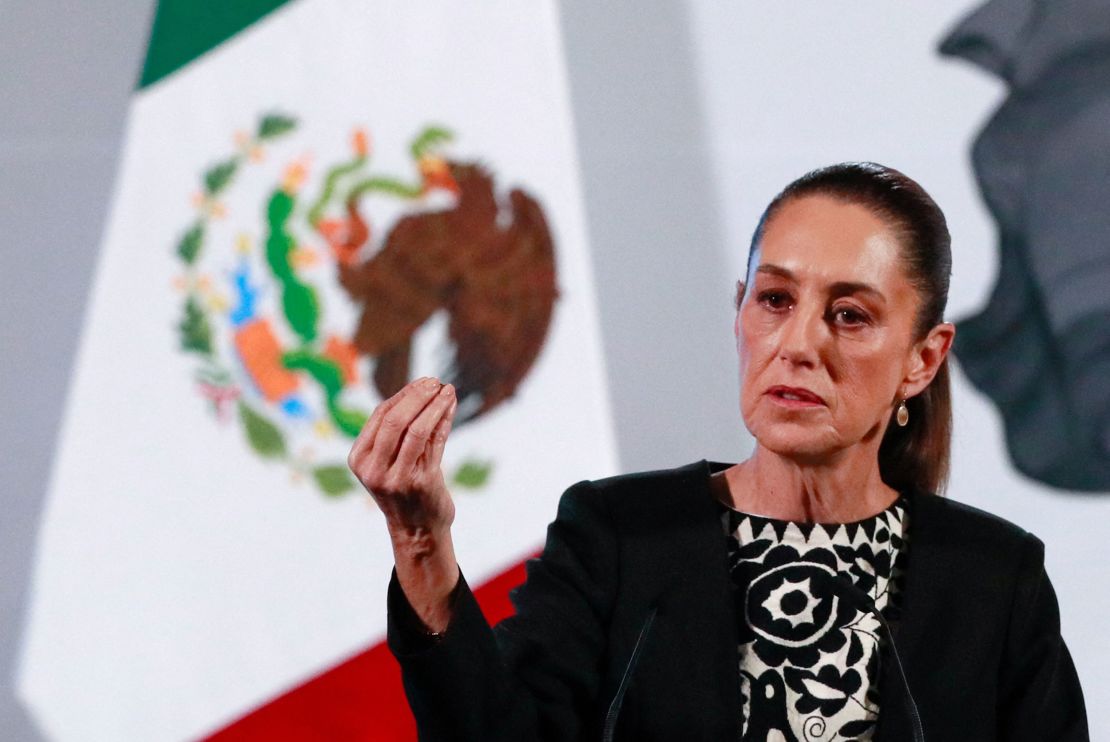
794	397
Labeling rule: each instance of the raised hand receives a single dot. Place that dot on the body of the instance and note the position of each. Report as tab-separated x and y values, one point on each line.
397	458
398	455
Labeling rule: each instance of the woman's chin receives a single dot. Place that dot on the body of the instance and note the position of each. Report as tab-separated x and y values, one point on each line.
798	442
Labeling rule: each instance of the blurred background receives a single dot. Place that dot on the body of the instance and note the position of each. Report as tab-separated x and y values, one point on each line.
205	257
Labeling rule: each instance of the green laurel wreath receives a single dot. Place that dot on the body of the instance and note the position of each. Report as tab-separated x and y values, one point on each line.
195	326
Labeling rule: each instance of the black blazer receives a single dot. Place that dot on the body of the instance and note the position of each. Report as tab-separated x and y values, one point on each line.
626	629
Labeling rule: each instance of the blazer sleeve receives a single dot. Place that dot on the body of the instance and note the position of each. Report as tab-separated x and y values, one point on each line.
1039	693
536	675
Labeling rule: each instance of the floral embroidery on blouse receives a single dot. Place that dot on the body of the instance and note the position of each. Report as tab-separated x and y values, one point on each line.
810	658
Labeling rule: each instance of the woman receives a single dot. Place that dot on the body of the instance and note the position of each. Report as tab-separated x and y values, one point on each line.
815	591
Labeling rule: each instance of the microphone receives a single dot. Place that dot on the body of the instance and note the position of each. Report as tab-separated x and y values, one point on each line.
861	600
610	727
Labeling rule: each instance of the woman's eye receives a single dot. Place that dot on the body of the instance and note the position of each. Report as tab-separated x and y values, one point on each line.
775	299
849	317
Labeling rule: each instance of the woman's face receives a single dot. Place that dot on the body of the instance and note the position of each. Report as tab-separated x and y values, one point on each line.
825	331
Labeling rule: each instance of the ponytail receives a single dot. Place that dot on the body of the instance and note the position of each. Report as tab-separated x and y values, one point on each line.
917	456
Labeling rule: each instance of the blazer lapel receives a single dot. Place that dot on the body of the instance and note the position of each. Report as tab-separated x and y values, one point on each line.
682	557
924	572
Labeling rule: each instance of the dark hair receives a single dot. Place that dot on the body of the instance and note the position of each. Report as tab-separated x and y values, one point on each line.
916	456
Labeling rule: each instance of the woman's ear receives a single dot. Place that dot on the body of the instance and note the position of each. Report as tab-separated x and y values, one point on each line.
928	354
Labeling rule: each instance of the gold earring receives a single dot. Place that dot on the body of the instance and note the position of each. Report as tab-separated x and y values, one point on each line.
902	416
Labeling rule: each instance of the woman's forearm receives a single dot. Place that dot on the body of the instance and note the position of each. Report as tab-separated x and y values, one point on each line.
427	572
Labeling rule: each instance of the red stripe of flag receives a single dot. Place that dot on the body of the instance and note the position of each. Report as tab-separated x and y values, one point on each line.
359	699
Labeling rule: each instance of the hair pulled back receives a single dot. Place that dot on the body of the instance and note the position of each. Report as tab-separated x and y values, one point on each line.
916	456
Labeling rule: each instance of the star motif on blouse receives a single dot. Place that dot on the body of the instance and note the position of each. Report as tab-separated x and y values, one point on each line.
796	615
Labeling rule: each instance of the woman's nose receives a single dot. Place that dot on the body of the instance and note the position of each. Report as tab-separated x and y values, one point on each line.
802	335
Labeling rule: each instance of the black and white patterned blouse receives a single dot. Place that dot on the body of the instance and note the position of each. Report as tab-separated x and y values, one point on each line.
809	658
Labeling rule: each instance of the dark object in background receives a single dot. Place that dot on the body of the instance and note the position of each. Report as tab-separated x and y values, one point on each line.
1041	347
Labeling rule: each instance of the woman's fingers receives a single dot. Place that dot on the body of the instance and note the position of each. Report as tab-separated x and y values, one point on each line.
433	452
422	429
374	449
365	436
397	419
389	458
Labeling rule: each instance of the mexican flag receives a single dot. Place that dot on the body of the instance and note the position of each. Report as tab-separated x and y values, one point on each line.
317	201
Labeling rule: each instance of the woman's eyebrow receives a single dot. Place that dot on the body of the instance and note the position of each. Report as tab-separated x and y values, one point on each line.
847	288
776	270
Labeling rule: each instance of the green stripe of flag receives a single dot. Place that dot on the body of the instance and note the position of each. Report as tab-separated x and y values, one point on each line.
185	29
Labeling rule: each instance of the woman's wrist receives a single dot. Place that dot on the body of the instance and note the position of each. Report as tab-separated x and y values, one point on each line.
419	543
418	522
427	573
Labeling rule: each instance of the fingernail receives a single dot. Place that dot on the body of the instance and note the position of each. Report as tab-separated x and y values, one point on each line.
447	389
429	382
